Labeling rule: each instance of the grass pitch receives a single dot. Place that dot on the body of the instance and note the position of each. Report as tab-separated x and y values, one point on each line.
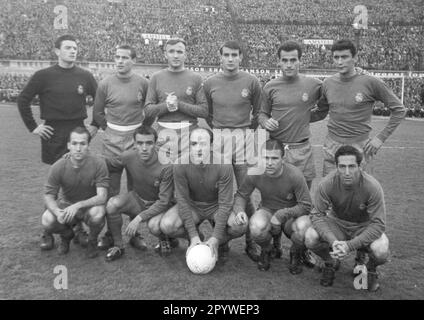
28	273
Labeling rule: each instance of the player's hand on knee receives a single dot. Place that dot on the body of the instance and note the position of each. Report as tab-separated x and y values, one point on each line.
133	226
372	146
71	211
60	215
241	218
44	131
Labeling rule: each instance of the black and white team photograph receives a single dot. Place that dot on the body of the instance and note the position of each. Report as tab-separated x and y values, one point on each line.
211	154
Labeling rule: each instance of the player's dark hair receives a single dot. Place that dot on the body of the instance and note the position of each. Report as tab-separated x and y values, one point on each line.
290	46
146	130
272	144
172	41
231	45
80	130
344	44
205	129
347	150
133	54
58	42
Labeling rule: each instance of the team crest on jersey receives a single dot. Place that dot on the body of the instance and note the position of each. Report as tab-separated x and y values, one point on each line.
359	97
362	206
80	89
189	91
156	183
290	196
245	93
140	95
305	97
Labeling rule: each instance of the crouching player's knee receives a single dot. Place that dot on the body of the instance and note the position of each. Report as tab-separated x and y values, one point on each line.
154	225
170	222
259	230
113	205
301	225
48	220
295	229
260	225
311	238
96	215
380	249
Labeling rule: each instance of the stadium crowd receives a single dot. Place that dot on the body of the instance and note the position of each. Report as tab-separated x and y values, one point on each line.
393	41
328	11
384	48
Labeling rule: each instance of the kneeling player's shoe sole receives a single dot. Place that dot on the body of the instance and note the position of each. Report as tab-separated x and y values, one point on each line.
138	243
114	253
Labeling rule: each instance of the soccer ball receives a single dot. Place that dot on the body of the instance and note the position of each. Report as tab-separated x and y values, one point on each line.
200	259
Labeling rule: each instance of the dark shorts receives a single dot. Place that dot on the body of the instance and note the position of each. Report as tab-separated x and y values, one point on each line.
286	225
54	148
135	203
344	231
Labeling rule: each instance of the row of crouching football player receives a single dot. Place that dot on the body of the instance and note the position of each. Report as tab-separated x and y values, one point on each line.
348	213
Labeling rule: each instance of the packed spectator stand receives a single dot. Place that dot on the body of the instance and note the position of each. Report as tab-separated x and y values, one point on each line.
393	40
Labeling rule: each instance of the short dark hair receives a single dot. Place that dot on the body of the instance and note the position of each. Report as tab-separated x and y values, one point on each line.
146	130
80	130
347	150
58	42
231	44
272	144
290	46
172	41
133	54
205	129
344	44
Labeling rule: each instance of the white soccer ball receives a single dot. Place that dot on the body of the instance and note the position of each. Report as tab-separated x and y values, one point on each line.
200	259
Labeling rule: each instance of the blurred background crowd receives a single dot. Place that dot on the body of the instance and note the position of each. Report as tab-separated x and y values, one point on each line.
393	40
